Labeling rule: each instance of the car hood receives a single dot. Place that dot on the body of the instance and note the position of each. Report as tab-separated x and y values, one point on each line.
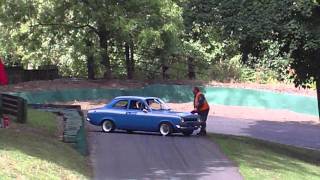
186	115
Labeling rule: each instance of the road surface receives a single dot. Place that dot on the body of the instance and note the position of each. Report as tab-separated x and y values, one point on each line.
300	134
150	156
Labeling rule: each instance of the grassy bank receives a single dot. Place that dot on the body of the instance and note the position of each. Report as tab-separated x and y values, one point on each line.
31	151
264	160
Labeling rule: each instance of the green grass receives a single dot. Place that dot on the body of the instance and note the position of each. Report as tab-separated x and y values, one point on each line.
26	154
42	120
258	159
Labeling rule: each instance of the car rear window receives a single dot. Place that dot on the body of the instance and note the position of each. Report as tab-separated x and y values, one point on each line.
122	104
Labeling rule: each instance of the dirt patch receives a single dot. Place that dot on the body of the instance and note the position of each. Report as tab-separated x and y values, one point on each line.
73	83
59	84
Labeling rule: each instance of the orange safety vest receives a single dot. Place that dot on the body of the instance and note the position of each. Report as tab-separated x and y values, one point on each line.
205	105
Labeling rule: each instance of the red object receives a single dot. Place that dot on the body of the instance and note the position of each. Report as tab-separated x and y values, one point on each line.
6	121
3	74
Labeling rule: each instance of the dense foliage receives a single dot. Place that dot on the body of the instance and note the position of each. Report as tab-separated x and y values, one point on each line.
238	40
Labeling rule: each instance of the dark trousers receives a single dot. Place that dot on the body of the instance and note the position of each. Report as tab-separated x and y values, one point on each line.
203	117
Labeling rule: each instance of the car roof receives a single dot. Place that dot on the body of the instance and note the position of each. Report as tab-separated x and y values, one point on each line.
135	97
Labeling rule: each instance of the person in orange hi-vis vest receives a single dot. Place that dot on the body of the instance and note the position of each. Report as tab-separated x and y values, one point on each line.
3	74
201	107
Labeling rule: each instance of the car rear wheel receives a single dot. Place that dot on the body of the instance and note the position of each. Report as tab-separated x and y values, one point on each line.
108	126
165	129
187	133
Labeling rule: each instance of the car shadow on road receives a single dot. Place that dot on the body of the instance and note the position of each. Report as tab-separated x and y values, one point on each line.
141	133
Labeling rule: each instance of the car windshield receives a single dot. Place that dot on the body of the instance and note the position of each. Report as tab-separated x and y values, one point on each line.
157	104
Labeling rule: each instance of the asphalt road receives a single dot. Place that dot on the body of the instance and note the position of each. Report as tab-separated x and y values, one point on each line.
300	134
150	156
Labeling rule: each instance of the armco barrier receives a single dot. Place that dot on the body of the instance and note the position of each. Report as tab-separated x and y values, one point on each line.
14	106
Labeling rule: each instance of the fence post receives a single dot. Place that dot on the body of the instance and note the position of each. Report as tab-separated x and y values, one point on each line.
22	111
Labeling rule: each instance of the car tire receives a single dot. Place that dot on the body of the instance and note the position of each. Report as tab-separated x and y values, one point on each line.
108	126
165	129
187	133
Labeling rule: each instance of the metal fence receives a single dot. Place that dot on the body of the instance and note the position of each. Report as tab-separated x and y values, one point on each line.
18	74
14	106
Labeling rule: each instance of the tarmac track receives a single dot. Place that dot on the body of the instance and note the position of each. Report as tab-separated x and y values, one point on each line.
121	155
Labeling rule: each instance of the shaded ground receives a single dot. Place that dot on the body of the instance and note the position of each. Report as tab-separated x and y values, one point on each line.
301	134
151	156
35	151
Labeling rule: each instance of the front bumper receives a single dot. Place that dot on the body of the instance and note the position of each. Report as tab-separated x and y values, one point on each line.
188	125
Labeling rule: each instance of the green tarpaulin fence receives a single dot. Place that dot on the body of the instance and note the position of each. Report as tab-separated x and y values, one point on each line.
181	93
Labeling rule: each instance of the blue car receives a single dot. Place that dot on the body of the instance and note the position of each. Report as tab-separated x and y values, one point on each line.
151	114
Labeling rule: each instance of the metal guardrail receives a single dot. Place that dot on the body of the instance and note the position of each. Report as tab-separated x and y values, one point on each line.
14	106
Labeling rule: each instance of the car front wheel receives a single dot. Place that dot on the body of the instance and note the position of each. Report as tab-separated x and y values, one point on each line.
108	126
165	129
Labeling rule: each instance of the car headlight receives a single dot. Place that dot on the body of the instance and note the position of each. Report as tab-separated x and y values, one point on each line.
199	119
181	119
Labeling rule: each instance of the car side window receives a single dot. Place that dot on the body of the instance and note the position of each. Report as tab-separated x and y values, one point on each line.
153	104
137	105
122	104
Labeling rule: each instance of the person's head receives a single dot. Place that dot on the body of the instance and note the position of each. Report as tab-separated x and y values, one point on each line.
195	90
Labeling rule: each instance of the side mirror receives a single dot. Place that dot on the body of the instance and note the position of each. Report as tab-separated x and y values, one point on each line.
145	110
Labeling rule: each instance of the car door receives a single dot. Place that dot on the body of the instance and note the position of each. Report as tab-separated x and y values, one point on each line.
118	114
137	117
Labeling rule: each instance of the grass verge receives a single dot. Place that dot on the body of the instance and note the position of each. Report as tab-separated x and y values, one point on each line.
259	159
26	154
42	120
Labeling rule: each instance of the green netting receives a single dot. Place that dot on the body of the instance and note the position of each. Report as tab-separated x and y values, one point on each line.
262	99
179	93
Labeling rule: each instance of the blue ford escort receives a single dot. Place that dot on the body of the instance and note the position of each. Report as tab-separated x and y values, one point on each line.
151	114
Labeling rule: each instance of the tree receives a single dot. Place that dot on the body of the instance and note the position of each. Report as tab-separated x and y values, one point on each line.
292	23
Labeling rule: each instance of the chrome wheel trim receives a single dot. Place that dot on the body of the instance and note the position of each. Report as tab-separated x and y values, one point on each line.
107	126
165	129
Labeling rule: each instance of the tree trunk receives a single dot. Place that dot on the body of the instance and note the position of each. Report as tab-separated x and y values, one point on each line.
191	70
90	60
129	60
103	39
244	48
318	94
164	71
132	59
